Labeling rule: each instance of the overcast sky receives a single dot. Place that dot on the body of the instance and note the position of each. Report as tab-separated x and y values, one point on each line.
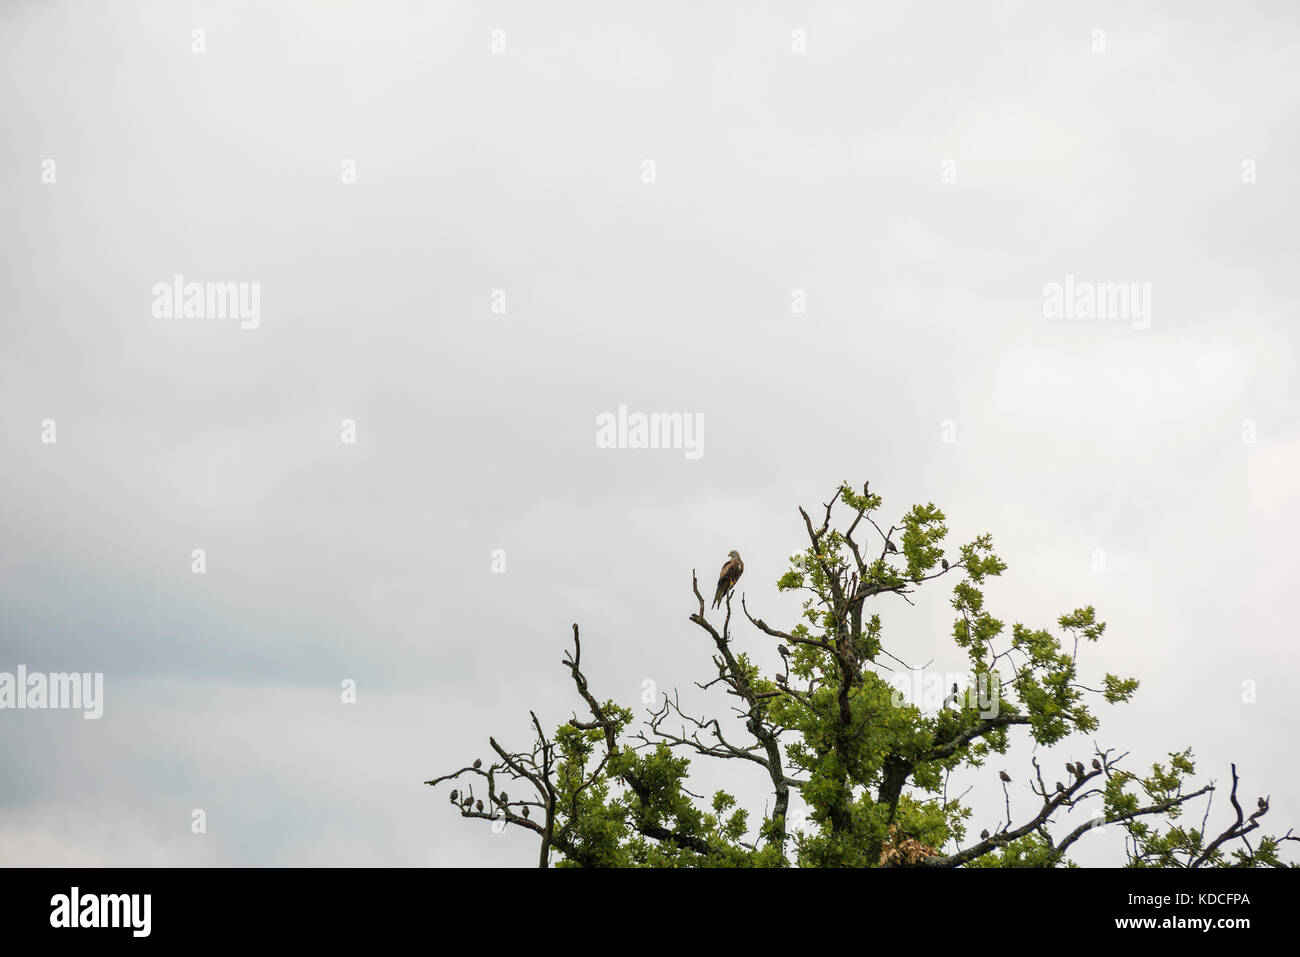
648	192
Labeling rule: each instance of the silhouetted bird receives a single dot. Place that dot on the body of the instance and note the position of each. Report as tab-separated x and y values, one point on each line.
478	806
952	698
478	763
1096	765
1004	776
944	563
783	651
985	834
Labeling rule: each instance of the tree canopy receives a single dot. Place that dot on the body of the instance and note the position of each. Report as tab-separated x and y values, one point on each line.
875	771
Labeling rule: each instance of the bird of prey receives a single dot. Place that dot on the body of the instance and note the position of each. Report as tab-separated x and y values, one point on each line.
731	572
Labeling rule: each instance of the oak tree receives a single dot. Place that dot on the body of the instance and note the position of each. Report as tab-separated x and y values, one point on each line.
876	773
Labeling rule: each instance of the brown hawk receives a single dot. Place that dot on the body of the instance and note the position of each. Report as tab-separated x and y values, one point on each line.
731	572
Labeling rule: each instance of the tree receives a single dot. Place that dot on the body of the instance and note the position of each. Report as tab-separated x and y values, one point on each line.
873	769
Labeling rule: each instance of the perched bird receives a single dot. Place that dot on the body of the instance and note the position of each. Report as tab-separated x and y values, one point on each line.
890	546
782	650
1096	765
985	834
504	798
525	812
478	763
944	563
1006	778
478	806
952	698
1060	786
455	795
732	569
1263	805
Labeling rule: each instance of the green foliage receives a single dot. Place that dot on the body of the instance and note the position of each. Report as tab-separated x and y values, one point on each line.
875	772
1032	850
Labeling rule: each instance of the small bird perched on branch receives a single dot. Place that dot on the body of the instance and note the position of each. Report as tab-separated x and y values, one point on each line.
732	569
